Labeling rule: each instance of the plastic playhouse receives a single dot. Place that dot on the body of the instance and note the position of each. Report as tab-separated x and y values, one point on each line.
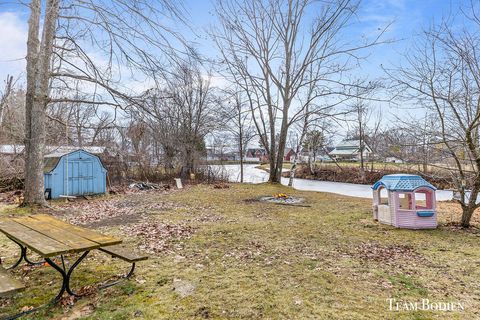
405	201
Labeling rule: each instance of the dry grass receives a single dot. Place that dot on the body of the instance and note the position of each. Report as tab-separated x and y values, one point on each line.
244	259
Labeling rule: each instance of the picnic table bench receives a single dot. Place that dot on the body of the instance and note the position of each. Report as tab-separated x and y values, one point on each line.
50	237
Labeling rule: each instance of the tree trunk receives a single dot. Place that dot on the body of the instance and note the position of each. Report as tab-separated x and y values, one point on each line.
240	141
241	158
38	76
467	213
32	183
362	160
276	177
310	167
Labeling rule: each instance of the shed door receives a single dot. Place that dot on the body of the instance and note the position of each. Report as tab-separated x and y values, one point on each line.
80	177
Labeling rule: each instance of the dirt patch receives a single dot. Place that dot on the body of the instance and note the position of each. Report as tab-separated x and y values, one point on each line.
91	212
116	221
251	200
157	237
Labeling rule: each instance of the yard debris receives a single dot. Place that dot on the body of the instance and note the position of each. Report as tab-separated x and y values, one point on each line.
87	290
157	237
108	212
12	197
203	312
26	308
87	213
149	186
388	253
221	186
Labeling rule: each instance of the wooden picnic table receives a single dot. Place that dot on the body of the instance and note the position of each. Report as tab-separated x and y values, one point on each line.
50	237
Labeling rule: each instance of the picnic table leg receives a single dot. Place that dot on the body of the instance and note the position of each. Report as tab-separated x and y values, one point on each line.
23	256
51	302
126	276
69	274
64	278
66	274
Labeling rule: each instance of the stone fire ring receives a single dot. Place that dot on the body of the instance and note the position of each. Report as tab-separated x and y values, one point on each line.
289	200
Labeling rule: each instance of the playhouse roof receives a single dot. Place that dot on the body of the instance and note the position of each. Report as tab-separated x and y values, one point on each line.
402	182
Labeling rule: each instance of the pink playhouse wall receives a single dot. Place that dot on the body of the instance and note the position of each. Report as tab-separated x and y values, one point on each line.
409	218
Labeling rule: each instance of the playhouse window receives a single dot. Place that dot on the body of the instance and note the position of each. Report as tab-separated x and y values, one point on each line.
383	196
405	201
423	200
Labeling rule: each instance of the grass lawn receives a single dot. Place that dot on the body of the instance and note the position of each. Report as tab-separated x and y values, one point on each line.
220	254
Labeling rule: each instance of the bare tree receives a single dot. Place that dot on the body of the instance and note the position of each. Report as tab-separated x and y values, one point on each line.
443	75
239	123
4	95
269	47
128	35
362	112
181	112
12	126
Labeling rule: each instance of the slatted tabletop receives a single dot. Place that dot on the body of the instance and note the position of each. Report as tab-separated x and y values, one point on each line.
50	237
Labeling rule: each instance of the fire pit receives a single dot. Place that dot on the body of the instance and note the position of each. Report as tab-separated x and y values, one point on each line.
282	198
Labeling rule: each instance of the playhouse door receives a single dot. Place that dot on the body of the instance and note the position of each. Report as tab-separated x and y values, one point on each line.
80	177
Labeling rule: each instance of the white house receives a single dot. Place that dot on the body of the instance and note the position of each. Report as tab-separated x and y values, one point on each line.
350	150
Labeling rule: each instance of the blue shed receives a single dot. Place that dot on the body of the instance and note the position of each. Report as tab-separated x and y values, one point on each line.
74	174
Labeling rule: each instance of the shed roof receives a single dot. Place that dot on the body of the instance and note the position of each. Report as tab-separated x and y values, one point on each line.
50	161
402	182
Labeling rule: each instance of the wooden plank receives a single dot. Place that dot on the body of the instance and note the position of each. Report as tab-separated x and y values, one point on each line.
61	235
9	285
124	252
91	235
41	244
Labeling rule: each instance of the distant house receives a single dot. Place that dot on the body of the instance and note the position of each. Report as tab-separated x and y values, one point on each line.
256	154
349	150
289	154
306	155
